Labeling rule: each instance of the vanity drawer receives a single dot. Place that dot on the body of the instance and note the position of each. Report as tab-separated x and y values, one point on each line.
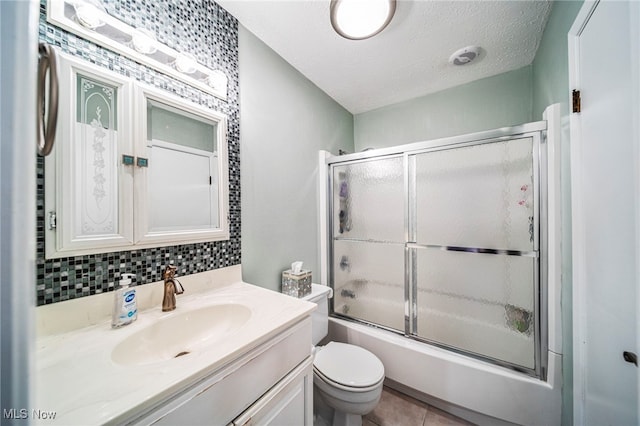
225	394
290	402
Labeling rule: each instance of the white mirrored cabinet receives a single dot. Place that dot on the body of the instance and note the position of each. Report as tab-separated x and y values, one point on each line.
134	167
180	186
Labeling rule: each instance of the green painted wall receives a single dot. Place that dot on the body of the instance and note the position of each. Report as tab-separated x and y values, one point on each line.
551	64
498	101
551	85
286	120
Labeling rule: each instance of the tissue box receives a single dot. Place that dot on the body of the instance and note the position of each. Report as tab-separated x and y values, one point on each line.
296	284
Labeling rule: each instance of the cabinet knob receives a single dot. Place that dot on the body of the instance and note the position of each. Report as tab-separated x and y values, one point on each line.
127	160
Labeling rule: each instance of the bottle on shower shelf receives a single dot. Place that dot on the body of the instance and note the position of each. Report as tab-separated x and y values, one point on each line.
344	216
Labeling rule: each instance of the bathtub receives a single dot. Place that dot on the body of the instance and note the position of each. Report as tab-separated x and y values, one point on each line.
474	325
480	392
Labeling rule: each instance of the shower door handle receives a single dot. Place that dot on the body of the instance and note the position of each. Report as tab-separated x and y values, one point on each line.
46	134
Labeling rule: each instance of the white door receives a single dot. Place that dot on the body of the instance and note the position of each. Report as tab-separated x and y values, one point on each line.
604	49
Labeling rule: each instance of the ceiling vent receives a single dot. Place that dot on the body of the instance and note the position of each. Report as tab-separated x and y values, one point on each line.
465	55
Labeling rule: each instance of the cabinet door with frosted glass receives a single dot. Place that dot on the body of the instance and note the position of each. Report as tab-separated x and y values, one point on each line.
181	172
90	174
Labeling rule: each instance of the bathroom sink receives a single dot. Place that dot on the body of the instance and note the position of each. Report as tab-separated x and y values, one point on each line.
181	334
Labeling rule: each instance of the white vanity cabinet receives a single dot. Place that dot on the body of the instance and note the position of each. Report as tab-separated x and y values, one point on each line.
133	167
270	384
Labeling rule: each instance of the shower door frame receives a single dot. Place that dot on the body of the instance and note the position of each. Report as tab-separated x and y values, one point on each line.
536	131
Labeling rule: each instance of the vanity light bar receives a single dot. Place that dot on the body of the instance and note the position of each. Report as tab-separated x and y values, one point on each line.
86	20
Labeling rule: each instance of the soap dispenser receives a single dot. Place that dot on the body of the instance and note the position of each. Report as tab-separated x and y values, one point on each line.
125	310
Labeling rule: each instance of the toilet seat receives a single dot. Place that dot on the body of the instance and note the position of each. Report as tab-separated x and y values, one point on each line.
348	367
351	389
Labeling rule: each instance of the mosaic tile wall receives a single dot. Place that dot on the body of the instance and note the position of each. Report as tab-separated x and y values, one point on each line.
207	31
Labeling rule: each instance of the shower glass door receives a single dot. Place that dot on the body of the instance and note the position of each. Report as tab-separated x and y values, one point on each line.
368	241
440	241
474	245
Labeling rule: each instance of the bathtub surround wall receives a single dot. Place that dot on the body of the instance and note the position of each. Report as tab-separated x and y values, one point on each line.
286	120
211	34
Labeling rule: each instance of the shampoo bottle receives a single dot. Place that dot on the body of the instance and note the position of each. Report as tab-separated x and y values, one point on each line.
125	310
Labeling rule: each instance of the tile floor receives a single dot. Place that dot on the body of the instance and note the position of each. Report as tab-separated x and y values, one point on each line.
398	409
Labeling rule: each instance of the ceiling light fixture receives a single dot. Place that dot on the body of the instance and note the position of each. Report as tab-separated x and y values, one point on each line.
361	19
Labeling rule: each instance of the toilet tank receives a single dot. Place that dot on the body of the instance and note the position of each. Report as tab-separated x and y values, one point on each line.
320	295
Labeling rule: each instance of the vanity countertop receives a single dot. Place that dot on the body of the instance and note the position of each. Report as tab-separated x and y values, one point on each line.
77	379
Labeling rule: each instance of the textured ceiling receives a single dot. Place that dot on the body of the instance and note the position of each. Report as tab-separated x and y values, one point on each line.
409	58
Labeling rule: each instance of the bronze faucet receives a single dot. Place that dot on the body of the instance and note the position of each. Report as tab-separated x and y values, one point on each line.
170	289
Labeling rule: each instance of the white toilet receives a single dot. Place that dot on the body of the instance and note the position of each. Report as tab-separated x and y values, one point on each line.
346	377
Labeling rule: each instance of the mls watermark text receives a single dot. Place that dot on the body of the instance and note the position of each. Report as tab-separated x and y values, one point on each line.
24	414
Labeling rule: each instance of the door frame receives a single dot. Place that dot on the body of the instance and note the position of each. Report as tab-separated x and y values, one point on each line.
577	219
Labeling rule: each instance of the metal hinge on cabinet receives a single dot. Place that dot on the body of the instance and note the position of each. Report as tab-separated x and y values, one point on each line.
52	220
575	100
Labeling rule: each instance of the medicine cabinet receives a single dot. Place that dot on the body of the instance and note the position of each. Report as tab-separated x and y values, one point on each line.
134	167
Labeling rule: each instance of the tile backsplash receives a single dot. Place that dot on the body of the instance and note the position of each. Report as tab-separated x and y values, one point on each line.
207	31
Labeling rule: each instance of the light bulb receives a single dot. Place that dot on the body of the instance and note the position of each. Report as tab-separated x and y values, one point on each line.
88	15
144	41
186	63
218	80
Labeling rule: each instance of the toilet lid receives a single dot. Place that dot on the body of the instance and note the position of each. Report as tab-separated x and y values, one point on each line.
349	365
